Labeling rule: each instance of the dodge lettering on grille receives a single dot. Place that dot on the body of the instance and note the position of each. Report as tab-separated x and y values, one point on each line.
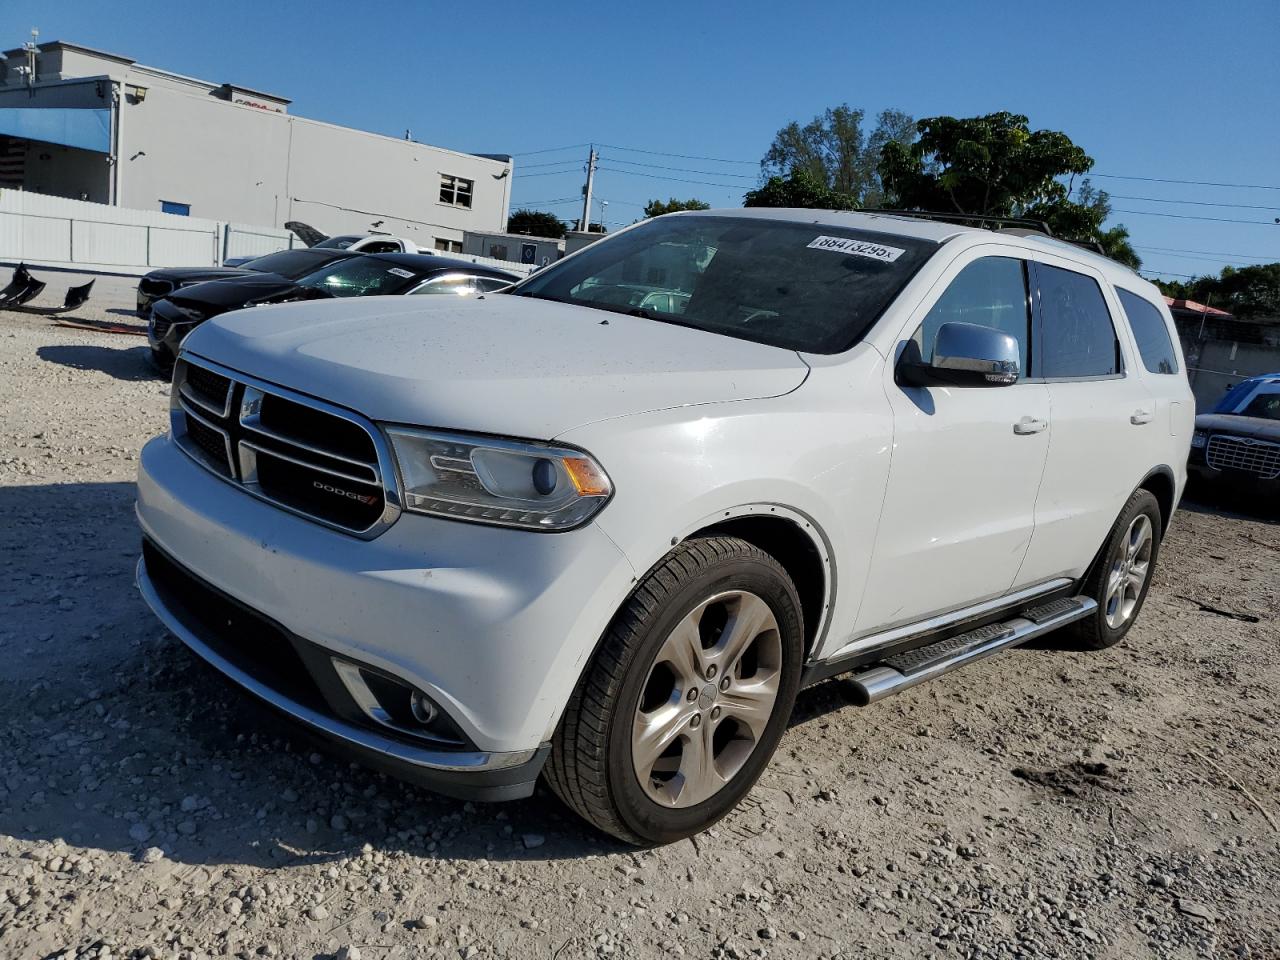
328	488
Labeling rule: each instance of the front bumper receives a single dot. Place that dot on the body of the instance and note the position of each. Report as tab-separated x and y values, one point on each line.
495	625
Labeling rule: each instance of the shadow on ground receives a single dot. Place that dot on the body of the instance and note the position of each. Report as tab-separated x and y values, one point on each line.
130	363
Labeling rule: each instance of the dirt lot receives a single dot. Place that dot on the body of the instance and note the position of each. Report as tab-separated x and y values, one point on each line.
1045	803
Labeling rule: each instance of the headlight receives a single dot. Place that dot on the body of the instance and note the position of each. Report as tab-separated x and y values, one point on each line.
506	482
1199	438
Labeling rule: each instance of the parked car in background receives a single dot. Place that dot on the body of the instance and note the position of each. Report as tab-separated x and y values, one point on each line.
347	274
1239	442
353	242
563	533
286	264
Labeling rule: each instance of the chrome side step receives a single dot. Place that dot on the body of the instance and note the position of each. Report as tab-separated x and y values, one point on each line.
904	670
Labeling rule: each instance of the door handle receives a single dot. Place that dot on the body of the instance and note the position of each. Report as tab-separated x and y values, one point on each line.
1139	417
1028	425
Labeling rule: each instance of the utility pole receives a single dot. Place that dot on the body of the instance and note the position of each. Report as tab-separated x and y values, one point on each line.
586	191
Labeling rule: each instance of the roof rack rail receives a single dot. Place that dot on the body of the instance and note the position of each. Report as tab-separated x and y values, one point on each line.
1039	226
1019	226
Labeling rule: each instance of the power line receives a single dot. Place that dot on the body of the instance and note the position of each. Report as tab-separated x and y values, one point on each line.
1194	183
530	153
678	156
1215	253
655	176
551	203
1187	216
544	173
1191	256
550	163
1197	203
660	166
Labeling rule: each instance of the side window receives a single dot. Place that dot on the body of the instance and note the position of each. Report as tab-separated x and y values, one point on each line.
991	292
381	246
1077	338
1149	329
492	284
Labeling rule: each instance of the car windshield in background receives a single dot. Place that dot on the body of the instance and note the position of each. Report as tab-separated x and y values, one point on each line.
804	286
338	243
290	264
1264	405
360	277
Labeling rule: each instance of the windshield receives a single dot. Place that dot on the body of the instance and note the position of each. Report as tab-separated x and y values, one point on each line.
338	243
812	287
1264	405
360	277
290	264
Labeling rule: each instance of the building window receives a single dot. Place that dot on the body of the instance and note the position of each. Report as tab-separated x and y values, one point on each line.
448	246
181	209
498	251
456	191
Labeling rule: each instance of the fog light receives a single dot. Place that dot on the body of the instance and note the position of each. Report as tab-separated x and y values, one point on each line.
423	710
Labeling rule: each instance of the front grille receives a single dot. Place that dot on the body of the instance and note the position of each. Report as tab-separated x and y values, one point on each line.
154	288
305	456
159	327
1258	457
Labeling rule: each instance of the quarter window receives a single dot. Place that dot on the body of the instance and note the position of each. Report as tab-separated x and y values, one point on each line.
991	292
1149	329
1077	338
456	191
460	285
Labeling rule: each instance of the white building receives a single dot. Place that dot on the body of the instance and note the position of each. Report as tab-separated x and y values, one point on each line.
84	124
512	247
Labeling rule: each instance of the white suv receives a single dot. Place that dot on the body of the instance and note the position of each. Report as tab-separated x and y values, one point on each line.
604	527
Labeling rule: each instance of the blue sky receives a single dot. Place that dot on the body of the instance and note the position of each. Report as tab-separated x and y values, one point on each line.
1174	90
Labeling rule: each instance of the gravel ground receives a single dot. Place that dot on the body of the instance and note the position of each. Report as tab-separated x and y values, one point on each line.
1045	803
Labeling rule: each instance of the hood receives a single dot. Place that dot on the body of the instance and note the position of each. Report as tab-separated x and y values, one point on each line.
217	296
188	274
498	364
1259	427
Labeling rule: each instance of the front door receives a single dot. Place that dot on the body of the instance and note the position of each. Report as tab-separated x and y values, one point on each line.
967	461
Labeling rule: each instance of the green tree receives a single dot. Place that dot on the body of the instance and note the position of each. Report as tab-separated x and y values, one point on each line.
535	223
834	150
1251	293
799	189
1083	219
995	165
656	208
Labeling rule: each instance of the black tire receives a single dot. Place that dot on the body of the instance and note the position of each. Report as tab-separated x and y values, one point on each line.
1094	632
591	767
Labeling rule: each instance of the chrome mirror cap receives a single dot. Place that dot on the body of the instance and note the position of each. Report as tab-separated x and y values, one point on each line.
970	348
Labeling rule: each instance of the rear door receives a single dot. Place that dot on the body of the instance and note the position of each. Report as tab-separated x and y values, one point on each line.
1105	423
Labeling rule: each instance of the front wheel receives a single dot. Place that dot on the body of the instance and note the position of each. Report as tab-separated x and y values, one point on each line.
684	703
1120	579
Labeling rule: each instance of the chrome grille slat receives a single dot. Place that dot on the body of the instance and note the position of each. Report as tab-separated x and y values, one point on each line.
252	425
285	471
1259	457
310	465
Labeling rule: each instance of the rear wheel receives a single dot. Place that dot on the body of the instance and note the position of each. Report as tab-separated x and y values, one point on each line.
1121	577
685	701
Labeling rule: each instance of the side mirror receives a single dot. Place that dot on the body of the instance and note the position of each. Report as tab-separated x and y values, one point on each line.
964	355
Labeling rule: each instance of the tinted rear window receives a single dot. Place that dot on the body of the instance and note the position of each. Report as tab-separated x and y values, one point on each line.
1077	336
1149	329
804	286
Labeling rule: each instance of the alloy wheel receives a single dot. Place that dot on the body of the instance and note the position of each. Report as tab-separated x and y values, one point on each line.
1129	572
708	699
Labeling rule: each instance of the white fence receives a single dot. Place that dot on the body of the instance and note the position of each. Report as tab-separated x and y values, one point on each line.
56	232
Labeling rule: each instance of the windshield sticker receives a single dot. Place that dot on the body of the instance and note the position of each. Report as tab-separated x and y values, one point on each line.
859	248
407	274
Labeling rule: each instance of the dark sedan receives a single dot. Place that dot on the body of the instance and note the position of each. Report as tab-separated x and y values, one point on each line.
358	275
290	264
1239	442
